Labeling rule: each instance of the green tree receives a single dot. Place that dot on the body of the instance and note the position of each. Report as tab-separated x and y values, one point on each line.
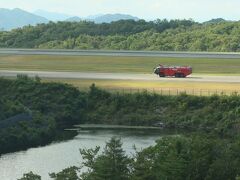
112	164
66	174
166	160
30	176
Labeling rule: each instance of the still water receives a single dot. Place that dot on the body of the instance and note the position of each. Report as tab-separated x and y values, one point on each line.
57	156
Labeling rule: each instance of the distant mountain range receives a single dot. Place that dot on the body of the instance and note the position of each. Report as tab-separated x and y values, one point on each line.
215	21
10	19
106	18
52	16
16	18
100	18
74	19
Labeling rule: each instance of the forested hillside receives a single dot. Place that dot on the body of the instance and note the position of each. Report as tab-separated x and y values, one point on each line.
34	113
174	35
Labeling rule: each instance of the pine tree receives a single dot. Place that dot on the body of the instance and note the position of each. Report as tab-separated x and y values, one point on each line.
112	164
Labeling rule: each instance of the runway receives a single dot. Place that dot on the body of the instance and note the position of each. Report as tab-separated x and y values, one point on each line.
120	76
119	53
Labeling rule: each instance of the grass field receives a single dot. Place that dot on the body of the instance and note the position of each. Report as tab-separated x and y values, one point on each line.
115	64
172	88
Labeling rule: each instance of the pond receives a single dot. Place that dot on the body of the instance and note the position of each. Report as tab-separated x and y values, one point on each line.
60	155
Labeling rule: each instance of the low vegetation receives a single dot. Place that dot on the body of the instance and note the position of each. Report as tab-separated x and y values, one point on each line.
158	87
174	35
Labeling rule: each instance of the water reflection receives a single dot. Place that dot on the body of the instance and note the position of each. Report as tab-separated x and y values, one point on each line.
57	156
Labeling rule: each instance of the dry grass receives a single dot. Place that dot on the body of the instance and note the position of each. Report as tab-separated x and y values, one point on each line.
194	88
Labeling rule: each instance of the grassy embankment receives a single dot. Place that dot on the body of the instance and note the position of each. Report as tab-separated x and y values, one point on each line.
165	88
129	65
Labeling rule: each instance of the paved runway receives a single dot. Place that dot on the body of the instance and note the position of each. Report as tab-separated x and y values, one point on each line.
119	53
120	76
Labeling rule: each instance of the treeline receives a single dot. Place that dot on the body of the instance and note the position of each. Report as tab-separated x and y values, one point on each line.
54	106
220	114
211	152
222	37
183	158
173	35
51	106
34	37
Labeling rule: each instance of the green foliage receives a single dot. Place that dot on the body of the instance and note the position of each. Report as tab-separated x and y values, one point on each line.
173	35
30	176
216	113
65	34
61	101
10	108
163	161
196	157
52	107
112	164
66	174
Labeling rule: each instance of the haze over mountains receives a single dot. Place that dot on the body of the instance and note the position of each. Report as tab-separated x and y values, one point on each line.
52	16
16	18
107	18
10	19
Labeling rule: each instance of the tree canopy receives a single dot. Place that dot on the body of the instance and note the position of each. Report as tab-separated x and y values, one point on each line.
195	157
33	113
173	35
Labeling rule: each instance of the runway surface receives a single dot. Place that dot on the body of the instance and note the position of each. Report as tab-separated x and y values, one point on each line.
120	76
119	53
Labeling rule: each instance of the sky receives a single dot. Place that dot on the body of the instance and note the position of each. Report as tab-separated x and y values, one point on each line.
198	10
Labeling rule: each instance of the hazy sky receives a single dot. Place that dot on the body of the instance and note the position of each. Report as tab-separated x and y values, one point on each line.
199	10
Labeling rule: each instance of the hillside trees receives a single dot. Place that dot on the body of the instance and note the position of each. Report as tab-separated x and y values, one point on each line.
49	108
194	38
164	35
33	113
112	164
53	33
194	157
